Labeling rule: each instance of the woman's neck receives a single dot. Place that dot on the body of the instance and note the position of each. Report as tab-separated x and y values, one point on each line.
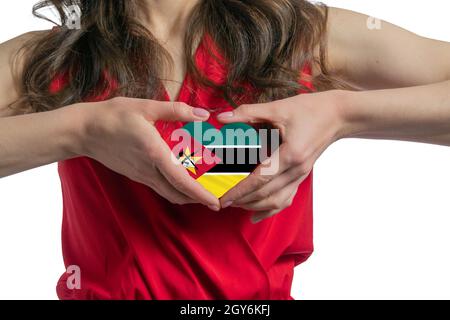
167	19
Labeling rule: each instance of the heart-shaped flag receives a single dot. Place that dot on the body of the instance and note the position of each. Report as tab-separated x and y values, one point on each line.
217	158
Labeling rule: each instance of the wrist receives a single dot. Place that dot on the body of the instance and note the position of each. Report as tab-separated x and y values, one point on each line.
350	124
75	133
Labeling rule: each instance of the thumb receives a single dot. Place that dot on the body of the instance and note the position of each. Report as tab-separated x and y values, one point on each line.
179	111
249	113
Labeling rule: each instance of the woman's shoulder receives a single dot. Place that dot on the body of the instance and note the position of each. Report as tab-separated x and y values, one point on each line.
12	57
12	51
18	41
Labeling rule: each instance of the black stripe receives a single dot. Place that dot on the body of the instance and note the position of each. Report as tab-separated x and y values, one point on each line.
229	168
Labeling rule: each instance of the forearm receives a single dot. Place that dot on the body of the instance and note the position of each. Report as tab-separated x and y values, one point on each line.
420	114
29	141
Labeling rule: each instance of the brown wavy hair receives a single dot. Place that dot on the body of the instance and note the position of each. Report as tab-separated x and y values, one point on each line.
265	43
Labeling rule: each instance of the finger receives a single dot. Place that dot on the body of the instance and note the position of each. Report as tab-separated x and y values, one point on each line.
265	214
273	186
176	111
167	191
249	113
276	201
179	178
262	215
302	170
263	174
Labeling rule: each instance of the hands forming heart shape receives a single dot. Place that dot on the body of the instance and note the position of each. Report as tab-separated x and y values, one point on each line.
124	134
307	123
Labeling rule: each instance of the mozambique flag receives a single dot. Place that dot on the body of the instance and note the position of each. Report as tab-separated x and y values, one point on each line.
217	158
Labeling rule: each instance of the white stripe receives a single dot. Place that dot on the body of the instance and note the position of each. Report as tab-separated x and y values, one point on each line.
232	147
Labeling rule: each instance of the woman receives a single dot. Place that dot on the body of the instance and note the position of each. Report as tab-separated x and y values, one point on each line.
99	100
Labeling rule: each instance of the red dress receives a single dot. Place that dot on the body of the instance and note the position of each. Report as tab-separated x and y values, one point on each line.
129	243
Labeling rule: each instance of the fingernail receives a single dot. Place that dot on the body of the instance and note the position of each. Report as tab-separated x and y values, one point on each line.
214	208
226	115
227	204
202	113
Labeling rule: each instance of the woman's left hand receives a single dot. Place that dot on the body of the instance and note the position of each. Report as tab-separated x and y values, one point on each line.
308	124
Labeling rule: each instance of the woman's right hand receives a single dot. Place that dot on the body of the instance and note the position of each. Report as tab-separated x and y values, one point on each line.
120	133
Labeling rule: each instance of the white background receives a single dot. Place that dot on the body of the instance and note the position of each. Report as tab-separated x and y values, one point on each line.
382	209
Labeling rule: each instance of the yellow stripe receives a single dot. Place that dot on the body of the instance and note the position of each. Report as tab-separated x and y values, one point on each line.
218	184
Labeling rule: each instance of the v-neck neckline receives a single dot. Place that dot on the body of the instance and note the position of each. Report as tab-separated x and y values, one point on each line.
184	84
